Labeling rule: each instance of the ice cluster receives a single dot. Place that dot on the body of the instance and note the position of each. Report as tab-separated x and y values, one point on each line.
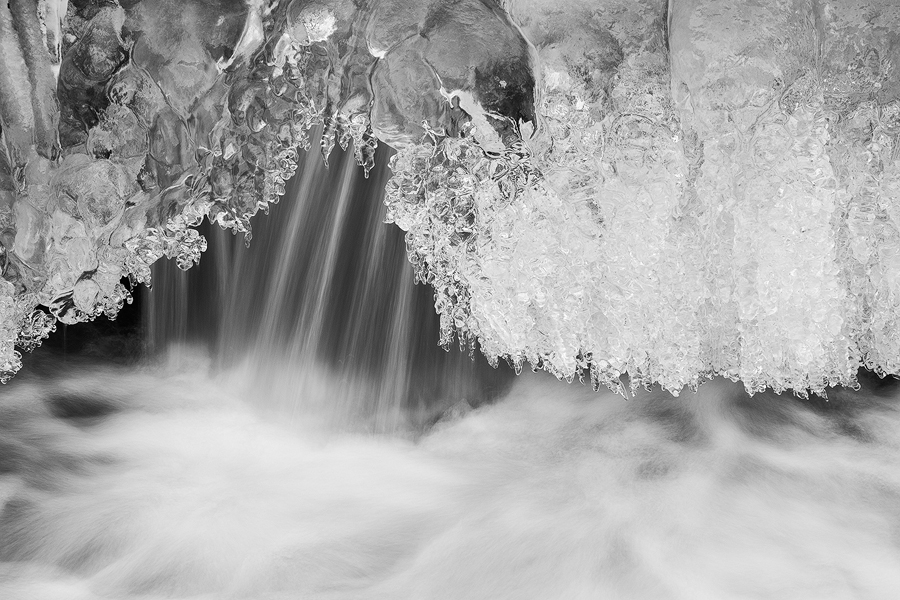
595	187
158	116
711	191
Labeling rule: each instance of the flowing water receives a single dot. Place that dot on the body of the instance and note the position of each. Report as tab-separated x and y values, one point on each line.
302	438
322	308
166	484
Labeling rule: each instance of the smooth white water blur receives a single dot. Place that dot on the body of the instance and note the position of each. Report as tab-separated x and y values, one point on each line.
163	484
323	304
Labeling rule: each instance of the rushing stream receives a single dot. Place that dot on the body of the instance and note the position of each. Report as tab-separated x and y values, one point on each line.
322	307
302	437
166	484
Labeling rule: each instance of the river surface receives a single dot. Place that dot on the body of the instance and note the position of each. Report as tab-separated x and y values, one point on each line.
171	482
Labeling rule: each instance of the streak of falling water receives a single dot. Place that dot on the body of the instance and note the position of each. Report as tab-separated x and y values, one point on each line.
321	309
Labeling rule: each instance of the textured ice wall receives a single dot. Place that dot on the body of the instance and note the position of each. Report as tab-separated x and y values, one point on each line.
672	192
713	191
794	109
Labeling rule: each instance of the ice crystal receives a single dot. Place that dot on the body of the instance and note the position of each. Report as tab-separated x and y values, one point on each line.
540	253
10	358
22	326
34	329
625	240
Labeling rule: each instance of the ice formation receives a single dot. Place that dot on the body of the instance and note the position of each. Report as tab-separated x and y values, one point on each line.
592	186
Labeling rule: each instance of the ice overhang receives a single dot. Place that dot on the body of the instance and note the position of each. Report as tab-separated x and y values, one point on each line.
595	187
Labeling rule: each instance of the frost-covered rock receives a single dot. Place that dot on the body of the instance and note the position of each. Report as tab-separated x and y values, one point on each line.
592	186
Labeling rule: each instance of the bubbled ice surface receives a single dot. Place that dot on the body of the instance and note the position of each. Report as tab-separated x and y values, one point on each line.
583	256
719	211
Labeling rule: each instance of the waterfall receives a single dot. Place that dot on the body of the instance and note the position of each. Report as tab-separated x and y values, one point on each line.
260	478
321	308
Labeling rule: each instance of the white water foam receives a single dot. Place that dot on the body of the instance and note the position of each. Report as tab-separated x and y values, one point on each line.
137	484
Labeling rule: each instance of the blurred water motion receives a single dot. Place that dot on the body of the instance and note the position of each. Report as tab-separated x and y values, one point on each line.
322	308
165	484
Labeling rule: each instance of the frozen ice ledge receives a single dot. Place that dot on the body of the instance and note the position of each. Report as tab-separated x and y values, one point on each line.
596	187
